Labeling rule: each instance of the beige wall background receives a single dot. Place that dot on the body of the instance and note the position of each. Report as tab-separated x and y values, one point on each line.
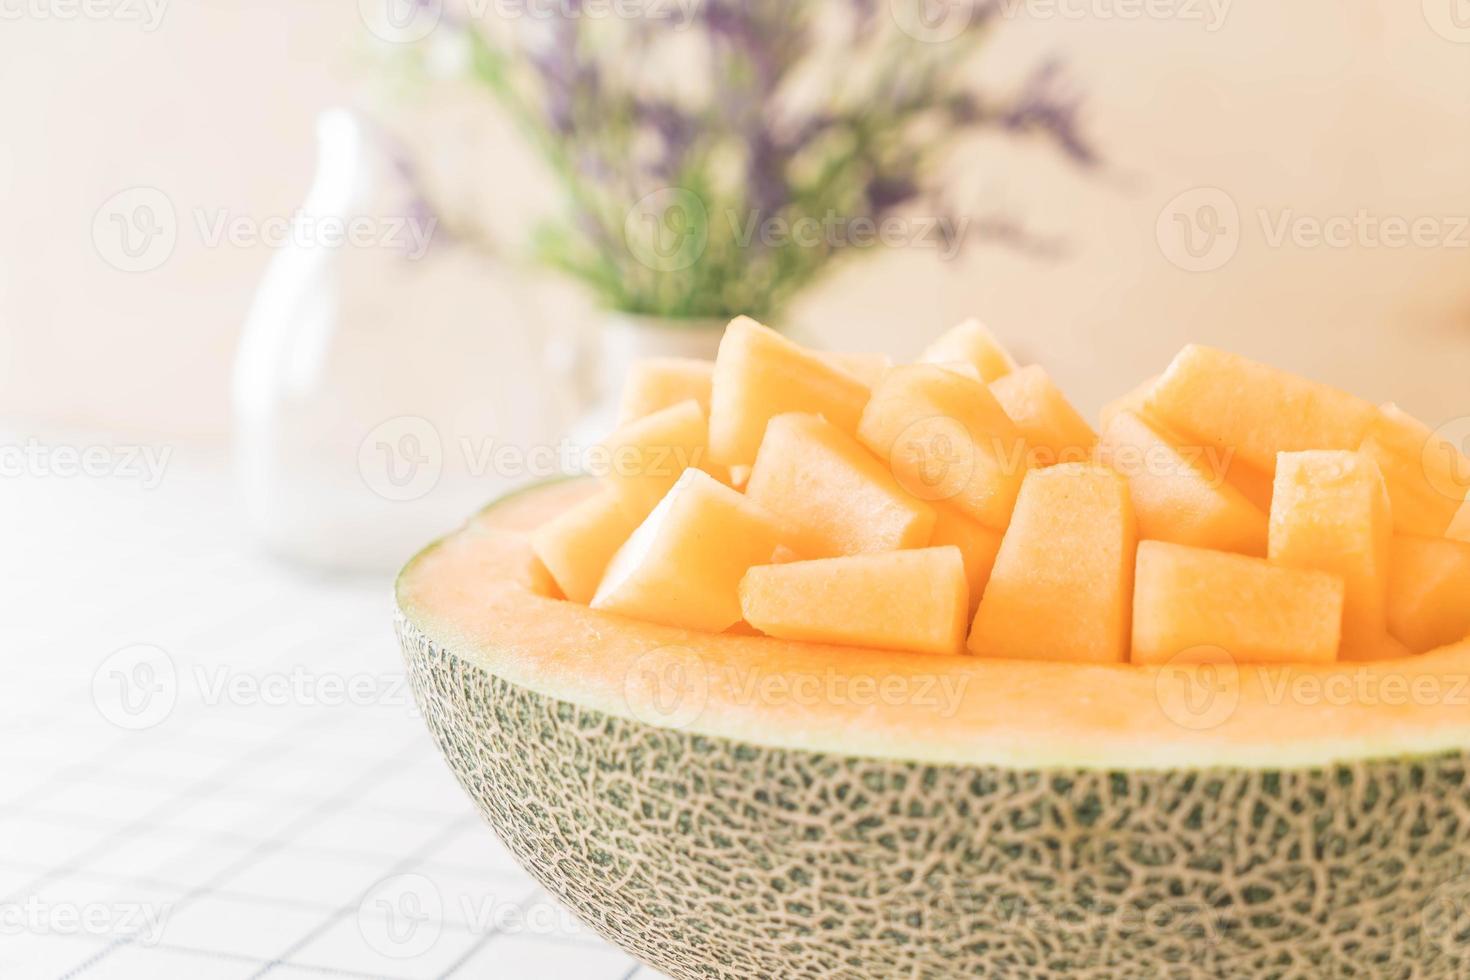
1317	111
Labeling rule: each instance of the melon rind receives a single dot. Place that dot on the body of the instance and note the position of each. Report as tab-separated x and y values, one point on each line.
712	858
708	856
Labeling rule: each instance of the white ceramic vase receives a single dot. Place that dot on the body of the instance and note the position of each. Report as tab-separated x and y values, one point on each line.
380	395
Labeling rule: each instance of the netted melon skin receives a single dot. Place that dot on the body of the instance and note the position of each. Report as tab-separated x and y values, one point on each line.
710	858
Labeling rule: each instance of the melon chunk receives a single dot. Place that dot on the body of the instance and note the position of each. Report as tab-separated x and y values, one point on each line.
978	546
867	368
897	600
946	438
1330	512
1055	431
655	383
1191	602
1427	477
1229	402
576	545
1133	402
682	566
971	342
647	455
831	495
1177	496
1429	592
760	374
1062	584
1255	485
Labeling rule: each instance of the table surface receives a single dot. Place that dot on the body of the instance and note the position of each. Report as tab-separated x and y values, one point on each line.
211	766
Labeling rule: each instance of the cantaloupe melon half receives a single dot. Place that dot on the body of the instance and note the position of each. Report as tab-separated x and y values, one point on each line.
733	807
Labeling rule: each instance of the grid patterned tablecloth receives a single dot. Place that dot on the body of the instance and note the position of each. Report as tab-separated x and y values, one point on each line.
211	767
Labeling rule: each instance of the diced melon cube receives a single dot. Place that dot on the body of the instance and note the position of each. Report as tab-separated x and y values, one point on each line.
1190	602
647	455
946	438
831	495
758	375
973	343
867	368
1062	584
1230	402
1176	496
895	600
576	545
978	546
1429	592
962	368
1055	431
1330	512
657	382
1427	477
1133	402
683	565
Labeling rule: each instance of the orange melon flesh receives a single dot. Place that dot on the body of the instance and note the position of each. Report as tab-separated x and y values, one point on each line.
1055	431
1330	512
901	600
962	368
1429	592
1459	529
758	375
482	595
971	342
831	495
1427	477
1063	579
946	438
978	546
1175	496
656	383
867	368
1254	485
646	456
1133	402
1190	603
576	545
1229	402
683	565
